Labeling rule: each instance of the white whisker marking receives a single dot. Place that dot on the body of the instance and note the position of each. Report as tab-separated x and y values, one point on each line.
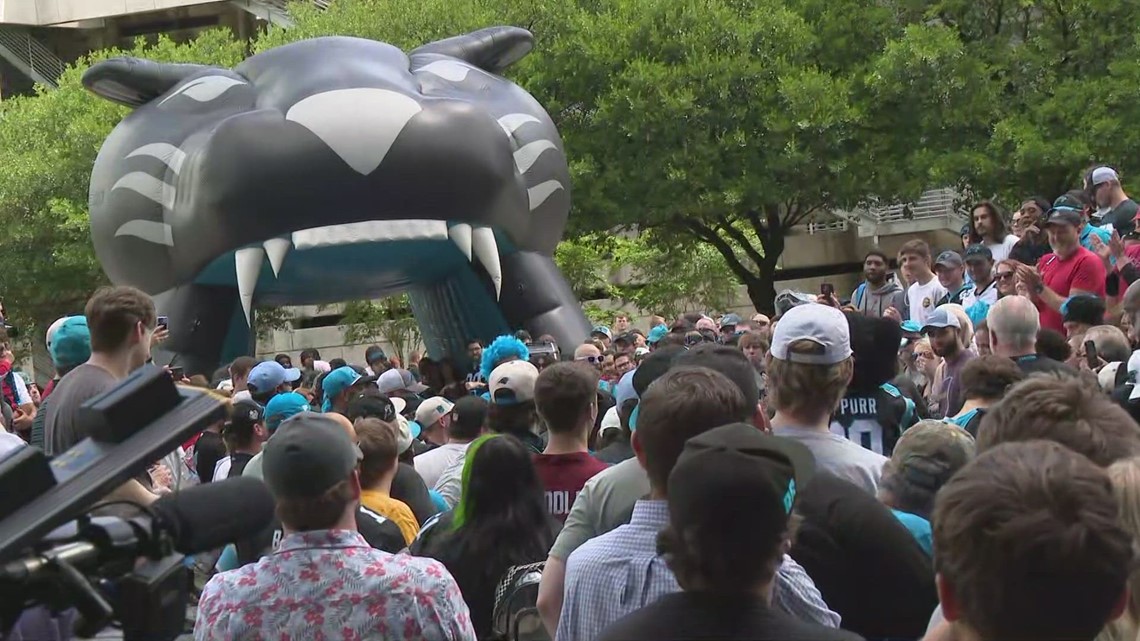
528	154
540	192
147	186
171	156
148	230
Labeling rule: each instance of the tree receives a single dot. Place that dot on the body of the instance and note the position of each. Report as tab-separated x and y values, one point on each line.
728	122
389	318
48	143
655	278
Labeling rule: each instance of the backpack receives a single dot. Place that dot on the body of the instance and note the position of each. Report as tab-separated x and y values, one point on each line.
859	291
515	616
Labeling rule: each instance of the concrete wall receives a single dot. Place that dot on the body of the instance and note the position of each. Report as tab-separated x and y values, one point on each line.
49	12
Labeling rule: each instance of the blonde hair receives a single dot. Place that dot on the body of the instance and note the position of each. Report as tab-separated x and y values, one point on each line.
1125	475
807	391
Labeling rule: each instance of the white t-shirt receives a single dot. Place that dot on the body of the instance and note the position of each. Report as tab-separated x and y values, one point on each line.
922	299
988	295
1001	250
432	463
222	468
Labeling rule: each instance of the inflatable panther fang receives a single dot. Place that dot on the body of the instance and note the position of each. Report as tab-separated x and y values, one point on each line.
336	169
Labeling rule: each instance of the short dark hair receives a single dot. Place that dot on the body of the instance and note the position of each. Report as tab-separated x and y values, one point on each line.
378	443
113	312
1028	539
474	341
731	363
242	365
563	395
877	252
683	403
310	352
989	377
1065	410
1052	344
319	513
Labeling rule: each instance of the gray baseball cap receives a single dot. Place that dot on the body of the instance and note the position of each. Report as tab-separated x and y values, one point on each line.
308	454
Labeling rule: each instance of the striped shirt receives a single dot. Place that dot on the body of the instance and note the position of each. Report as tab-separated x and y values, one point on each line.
619	572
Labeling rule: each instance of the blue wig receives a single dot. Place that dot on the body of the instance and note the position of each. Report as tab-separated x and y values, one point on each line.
503	348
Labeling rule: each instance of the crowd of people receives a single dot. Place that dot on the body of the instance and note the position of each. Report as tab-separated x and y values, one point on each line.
952	452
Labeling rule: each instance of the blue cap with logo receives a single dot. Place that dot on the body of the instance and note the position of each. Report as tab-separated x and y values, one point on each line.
283	406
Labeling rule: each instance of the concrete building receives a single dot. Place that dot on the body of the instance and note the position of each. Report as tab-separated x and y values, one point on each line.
38	38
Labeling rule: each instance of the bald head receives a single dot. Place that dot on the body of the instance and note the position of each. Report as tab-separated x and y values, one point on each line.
1013	322
343	421
586	350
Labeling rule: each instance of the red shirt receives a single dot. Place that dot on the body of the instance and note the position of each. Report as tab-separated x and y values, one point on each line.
563	476
1083	270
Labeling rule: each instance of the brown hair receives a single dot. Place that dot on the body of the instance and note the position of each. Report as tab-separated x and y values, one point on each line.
318	513
1065	410
917	247
1026	537
989	377
242	365
807	390
563	395
378	444
683	403
752	339
112	314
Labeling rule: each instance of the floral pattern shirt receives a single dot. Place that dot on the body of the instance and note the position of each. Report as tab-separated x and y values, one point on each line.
330	584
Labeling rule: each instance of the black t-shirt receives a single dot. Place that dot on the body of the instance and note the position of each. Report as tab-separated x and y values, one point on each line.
685	616
1123	213
1036	364
408	486
616	452
865	563
476	580
208	450
1028	252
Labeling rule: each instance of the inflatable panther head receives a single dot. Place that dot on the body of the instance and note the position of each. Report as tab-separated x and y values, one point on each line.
335	169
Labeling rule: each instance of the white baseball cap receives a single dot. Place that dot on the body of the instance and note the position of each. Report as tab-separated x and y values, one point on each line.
1104	174
610	420
432	410
512	382
821	324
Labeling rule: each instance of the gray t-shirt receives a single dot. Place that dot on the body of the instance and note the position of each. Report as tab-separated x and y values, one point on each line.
839	456
605	502
62	430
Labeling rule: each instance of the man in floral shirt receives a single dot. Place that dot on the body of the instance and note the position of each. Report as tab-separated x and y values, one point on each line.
325	581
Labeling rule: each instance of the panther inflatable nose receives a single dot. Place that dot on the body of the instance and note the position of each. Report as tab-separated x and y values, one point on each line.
359	124
286	181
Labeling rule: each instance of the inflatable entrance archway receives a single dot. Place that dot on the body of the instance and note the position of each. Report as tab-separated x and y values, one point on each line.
336	169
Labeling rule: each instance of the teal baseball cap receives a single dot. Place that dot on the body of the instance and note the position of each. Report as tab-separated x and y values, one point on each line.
283	406
71	343
656	334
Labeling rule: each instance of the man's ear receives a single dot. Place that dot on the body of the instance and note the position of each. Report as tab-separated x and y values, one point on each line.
133	81
492	49
950	610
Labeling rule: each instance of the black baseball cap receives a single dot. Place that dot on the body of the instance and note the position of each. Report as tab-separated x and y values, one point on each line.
1066	210
738	460
246	412
978	251
308	455
654	367
469	411
373	354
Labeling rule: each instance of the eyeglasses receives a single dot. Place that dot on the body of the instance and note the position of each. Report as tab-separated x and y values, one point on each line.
1004	275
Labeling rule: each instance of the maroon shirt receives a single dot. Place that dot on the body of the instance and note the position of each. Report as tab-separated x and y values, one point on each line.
563	476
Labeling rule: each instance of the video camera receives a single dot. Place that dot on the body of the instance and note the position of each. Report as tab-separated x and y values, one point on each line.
53	554
543	355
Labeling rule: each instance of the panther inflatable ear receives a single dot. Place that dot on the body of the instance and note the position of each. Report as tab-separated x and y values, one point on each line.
492	49
134	82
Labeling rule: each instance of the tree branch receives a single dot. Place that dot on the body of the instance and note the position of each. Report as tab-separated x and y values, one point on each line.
710	236
742	240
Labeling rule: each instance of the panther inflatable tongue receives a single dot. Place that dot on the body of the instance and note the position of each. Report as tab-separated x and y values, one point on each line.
336	169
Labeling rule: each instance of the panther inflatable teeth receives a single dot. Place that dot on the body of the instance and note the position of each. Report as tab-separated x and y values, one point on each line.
336	169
